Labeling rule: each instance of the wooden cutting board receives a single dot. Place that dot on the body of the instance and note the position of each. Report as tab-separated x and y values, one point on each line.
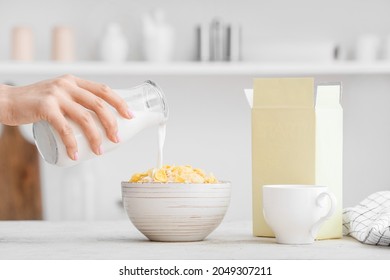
20	190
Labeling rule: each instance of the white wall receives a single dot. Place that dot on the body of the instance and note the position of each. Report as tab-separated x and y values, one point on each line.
209	125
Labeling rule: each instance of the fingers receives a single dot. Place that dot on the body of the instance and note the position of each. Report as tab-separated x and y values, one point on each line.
76	96
105	115
62	126
85	120
107	94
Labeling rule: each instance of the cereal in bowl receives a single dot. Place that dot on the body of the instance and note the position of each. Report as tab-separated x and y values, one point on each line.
174	174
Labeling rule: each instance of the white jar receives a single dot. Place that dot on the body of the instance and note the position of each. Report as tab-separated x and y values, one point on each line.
114	46
157	37
367	48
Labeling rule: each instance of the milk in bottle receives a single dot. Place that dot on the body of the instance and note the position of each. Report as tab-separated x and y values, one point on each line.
146	101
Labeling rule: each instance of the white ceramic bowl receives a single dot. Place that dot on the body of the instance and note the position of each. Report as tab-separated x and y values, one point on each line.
175	211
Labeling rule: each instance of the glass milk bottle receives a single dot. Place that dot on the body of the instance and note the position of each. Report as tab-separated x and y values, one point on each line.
146	101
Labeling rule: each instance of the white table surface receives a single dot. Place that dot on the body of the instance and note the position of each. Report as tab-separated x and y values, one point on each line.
120	240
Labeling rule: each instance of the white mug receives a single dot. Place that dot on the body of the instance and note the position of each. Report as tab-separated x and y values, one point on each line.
296	212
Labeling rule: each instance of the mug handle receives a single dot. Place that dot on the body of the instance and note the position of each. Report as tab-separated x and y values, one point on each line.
331	211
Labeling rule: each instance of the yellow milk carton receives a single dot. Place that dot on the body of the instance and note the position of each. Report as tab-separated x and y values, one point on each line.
284	142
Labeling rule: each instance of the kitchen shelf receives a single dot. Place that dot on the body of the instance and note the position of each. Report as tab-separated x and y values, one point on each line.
196	68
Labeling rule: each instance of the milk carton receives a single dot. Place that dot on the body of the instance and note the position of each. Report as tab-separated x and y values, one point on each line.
329	152
295	143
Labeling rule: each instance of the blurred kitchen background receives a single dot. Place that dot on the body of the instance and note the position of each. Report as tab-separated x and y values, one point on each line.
203	53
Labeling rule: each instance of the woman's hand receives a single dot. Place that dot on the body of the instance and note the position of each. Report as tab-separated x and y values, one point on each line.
65	96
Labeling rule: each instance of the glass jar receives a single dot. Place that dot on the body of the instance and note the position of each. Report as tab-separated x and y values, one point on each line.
146	101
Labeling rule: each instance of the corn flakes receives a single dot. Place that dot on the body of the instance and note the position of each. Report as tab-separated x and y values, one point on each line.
175	174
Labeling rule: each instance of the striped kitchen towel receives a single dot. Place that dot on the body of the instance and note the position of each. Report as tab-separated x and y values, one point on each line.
369	221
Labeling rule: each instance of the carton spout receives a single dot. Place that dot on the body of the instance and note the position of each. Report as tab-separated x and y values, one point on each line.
328	95
249	96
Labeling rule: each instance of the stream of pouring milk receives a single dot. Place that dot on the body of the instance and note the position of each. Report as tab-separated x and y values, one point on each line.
161	140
